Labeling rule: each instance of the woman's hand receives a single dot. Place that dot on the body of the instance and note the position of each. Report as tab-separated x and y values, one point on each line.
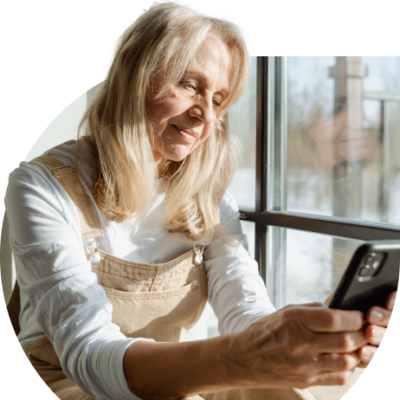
298	346
378	318
329	298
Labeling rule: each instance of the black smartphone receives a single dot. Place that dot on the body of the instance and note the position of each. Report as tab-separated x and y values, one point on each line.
372	274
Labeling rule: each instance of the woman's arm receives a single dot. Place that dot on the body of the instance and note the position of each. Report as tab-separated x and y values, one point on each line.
298	346
282	349
53	272
236	291
169	370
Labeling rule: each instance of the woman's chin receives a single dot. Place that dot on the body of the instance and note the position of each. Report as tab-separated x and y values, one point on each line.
176	155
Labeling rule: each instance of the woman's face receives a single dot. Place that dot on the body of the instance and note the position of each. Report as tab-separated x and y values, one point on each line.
185	116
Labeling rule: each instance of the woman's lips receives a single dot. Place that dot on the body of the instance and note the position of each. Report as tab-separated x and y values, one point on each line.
187	134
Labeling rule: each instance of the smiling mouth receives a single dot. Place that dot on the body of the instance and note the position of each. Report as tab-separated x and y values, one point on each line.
188	136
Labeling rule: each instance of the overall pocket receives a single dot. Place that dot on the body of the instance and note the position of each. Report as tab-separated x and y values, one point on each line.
164	316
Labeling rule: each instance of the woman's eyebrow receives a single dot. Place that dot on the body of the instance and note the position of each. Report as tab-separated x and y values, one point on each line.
205	80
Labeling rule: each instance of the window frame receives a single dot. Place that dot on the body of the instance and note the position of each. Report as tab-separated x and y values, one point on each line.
272	118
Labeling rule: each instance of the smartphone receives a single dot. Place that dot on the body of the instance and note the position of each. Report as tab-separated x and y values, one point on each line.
372	274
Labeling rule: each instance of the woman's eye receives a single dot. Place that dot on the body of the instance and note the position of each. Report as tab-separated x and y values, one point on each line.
192	86
217	103
188	85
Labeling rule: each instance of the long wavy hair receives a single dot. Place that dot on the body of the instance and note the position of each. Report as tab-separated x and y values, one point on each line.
154	52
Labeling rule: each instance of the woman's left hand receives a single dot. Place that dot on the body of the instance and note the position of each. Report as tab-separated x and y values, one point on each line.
384	337
378	318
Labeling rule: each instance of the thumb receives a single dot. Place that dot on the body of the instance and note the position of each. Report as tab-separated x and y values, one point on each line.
329	298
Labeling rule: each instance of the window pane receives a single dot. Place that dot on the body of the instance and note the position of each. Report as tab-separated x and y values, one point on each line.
343	137
305	267
242	124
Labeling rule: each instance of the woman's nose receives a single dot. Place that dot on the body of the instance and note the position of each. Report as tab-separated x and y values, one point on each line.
204	110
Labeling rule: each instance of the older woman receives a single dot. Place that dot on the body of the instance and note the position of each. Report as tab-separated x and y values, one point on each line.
121	236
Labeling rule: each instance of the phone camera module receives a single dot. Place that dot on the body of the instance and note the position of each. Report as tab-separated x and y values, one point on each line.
370	259
371	265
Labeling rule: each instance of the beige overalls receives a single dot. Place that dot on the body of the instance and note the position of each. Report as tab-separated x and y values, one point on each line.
161	301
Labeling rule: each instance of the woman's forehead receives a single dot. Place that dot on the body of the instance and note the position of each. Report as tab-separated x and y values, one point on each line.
212	64
215	48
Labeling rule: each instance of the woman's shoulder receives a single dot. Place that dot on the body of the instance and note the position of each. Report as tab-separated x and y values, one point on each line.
34	196
229	210
32	180
66	152
35	173
229	202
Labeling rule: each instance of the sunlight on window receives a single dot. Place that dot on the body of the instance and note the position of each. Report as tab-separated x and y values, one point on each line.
343	137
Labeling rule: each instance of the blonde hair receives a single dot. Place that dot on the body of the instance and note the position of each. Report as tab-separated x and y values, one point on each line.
153	52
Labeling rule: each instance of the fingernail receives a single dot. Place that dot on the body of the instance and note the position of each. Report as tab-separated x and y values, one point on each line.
391	304
375	333
366	354
394	303
376	316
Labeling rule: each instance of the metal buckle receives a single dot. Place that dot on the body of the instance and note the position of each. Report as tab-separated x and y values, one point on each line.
95	257
198	255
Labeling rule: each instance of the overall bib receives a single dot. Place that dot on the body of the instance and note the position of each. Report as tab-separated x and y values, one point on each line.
159	301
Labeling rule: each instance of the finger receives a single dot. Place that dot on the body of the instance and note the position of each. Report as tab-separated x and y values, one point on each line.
368	354
329	298
374	334
331	378
336	362
378	358
391	300
341	342
378	316
323	319
315	304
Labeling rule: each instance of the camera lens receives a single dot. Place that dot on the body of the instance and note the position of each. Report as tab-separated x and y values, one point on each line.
364	271
370	259
376	264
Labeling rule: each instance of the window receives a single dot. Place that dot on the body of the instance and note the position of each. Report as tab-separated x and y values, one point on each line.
327	175
319	172
326	140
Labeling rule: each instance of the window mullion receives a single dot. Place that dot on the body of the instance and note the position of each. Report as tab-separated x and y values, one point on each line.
261	164
276	246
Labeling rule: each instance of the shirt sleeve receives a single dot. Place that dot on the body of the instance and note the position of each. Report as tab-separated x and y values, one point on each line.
236	291
53	272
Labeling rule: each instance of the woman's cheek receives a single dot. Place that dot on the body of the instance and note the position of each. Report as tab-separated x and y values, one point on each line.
207	131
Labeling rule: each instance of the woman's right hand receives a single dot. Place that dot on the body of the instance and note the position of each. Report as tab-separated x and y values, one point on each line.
298	346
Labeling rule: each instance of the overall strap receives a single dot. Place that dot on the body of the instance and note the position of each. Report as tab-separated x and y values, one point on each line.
68	178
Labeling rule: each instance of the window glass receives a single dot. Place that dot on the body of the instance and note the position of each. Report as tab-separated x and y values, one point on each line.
343	137
305	267
242	125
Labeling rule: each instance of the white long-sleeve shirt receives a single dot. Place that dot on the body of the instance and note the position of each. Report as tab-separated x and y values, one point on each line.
60	296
